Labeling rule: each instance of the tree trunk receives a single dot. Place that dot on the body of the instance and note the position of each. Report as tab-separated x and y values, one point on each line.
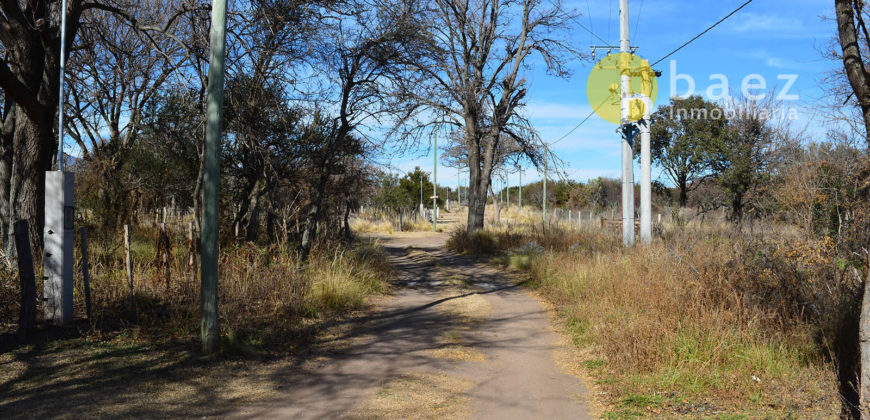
7	214
252	230
347	219
27	318
684	192
496	204
476	207
34	147
309	234
864	350
737	208
478	187
853	62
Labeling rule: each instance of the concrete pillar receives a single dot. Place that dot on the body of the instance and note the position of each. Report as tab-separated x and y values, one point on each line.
58	236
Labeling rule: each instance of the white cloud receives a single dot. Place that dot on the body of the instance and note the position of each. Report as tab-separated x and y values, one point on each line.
754	22
781	63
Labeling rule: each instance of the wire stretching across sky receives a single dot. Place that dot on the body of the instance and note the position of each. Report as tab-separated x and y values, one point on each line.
657	62
702	33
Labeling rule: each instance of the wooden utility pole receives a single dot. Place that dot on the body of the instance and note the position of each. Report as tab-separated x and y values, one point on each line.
209	329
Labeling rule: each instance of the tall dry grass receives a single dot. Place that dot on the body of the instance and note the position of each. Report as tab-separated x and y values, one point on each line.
266	295
701	318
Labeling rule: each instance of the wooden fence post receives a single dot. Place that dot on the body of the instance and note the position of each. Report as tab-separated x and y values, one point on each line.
86	276
129	264
26	274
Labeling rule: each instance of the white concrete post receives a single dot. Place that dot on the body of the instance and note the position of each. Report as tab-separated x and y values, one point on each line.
627	153
58	236
645	176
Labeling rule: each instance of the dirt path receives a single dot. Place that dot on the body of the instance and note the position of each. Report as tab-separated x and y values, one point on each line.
458	340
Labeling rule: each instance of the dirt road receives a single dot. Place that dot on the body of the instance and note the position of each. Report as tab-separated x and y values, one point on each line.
458	340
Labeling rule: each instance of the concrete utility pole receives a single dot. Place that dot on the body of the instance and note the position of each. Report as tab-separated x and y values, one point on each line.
544	199
458	189
435	181
645	176
508	198
627	153
210	331
520	202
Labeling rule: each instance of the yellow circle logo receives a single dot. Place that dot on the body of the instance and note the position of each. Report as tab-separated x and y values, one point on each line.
603	88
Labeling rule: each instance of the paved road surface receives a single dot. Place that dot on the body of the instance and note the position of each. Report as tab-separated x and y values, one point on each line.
458	340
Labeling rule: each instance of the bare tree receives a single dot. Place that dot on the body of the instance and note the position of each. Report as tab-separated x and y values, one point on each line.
29	77
471	77
360	56
118	67
854	41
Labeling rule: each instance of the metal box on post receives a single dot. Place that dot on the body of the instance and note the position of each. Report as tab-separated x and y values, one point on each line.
58	236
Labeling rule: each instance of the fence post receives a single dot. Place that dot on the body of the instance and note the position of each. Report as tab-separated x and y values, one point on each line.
27	277
86	275
129	264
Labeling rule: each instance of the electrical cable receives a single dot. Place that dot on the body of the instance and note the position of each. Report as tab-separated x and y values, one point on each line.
609	20
702	33
589	15
580	124
606	44
637	20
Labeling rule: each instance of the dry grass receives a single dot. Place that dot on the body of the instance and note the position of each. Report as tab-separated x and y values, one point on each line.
145	362
467	308
265	293
378	222
418	396
360	225
701	322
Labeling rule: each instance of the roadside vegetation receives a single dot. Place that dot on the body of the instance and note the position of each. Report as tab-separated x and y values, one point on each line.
273	309
701	323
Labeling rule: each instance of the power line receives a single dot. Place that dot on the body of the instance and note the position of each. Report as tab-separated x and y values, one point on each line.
606	43
609	20
580	124
637	20
705	31
589	15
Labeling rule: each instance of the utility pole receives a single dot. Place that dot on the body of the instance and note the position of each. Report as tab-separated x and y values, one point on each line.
435	181
59	208
544	199
629	129
627	133
645	177
520	202
458	189
508	198
60	162
210	331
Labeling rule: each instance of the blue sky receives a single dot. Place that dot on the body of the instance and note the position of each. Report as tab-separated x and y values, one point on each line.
768	38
